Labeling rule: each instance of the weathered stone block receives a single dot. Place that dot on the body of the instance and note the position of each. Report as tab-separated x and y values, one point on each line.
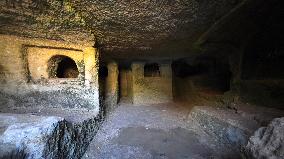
267	142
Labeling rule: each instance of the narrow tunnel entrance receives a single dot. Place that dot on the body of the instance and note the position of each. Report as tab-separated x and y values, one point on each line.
60	66
262	67
103	74
152	70
201	76
263	58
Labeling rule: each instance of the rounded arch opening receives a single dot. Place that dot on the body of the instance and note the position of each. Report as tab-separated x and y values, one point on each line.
61	66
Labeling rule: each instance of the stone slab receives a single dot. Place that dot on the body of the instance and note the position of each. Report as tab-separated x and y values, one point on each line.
25	132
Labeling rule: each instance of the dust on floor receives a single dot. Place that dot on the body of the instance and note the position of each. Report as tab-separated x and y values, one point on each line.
154	132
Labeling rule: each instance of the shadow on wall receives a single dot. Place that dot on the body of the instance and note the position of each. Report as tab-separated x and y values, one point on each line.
263	58
262	68
103	74
202	75
200	80
152	70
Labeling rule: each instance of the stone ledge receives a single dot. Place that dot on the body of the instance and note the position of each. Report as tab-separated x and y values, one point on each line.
45	136
232	127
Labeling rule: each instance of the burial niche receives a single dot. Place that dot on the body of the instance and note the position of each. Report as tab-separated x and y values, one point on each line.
61	66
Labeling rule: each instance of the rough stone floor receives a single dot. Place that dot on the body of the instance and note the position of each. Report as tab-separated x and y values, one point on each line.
154	132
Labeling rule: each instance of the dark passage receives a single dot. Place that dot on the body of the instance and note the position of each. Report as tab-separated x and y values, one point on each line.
62	67
67	69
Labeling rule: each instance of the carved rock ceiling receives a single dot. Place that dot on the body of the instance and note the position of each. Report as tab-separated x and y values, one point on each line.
117	25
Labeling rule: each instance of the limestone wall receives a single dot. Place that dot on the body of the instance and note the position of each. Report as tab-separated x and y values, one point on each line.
13	51
196	88
11	60
38	60
151	90
259	82
268	93
23	61
200	79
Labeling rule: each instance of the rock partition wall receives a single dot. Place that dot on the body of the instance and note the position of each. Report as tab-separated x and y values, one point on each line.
13	51
38	61
24	76
151	90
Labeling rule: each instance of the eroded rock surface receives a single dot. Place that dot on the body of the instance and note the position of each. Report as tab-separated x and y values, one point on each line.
60	96
267	142
116	24
26	132
45	137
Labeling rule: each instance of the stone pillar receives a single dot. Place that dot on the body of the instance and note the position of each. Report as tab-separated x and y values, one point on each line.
151	90
91	60
112	86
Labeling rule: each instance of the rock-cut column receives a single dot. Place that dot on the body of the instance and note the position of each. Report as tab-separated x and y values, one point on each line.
112	86
91	62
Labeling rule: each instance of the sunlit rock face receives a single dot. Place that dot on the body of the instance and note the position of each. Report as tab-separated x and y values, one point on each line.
27	133
43	105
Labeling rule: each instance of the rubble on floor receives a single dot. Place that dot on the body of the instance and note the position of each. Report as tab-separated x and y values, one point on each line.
267	142
39	135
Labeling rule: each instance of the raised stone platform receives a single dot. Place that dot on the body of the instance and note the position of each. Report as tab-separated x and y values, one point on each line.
233	127
48	133
26	132
70	115
267	142
66	133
